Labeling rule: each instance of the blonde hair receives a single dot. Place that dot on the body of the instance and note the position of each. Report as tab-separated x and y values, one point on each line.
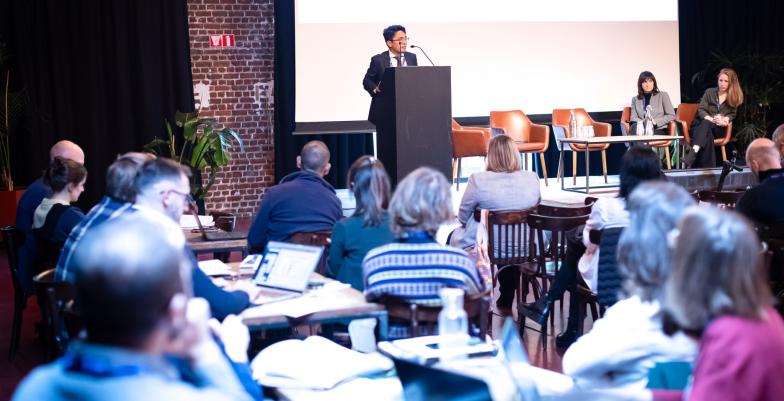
502	155
734	92
421	202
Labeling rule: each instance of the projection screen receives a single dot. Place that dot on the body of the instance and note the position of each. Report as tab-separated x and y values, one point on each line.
531	55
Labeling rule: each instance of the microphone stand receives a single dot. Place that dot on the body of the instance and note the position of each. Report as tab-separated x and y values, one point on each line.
727	167
425	53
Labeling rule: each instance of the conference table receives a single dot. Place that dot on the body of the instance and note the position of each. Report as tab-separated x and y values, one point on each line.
601	140
331	302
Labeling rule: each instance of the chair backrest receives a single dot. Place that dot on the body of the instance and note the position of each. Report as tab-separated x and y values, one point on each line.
12	238
686	112
514	122
323	238
400	310
64	321
609	278
563	211
558	225
725	199
509	240
53	296
468	142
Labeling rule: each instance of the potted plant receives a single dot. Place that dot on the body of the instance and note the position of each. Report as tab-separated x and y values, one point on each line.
203	145
11	112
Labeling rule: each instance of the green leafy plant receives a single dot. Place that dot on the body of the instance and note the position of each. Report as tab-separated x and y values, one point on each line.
11	113
203	145
762	80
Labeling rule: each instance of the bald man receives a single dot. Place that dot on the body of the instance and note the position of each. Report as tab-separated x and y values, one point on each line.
30	200
762	204
301	202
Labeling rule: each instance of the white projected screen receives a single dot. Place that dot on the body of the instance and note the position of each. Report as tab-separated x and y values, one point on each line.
531	55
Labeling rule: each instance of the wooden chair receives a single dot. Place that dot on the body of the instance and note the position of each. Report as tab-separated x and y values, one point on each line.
723	199
671	130
554	254
684	117
509	244
12	238
323	238
403	311
529	137
561	129
53	299
467	142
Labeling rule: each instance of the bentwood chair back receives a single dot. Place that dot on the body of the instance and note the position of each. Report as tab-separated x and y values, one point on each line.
53	298
510	244
529	137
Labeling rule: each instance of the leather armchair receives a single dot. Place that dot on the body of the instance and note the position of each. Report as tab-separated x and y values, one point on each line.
561	128
467	142
530	137
684	117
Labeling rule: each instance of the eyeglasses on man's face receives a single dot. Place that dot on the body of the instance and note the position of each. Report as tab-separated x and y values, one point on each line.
186	197
404	39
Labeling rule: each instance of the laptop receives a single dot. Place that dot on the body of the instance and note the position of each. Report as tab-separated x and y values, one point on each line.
422	382
217	235
284	271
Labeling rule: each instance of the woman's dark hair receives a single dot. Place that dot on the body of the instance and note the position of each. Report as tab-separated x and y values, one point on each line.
369	181
638	164
62	172
645	75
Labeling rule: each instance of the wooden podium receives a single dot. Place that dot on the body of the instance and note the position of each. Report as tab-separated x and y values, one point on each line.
413	118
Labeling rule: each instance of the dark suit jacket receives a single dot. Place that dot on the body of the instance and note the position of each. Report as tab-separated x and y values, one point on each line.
375	72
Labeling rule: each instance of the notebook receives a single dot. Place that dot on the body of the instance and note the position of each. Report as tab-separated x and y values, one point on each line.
217	235
285	270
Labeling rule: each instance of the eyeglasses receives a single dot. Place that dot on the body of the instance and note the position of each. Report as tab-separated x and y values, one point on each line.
186	197
403	39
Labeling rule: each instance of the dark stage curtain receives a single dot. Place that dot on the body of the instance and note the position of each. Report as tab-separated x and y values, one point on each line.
344	148
104	74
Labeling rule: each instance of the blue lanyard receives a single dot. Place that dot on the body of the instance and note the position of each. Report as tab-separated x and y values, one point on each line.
100	368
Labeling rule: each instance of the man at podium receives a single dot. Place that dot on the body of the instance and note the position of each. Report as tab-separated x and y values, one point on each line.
395	56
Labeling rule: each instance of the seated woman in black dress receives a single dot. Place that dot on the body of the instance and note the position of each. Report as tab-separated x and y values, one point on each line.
717	109
55	217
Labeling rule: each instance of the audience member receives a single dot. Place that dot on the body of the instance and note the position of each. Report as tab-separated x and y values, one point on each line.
638	164
32	197
758	203
718	108
302	202
416	267
778	139
502	187
367	228
54	218
119	198
163	188
718	293
132	287
628	341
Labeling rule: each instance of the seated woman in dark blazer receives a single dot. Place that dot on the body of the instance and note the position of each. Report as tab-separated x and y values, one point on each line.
718	107
648	94
55	217
367	228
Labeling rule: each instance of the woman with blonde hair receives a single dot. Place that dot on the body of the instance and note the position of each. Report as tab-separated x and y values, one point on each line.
503	186
718	107
718	294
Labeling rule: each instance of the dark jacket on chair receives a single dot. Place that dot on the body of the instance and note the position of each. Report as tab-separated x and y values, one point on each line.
610	279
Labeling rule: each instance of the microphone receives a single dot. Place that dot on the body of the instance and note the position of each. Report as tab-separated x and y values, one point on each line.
727	167
425	53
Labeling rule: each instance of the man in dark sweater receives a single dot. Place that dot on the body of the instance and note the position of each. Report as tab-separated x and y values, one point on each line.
762	204
302	202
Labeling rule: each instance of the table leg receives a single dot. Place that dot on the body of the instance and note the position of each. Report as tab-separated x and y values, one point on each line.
560	168
587	170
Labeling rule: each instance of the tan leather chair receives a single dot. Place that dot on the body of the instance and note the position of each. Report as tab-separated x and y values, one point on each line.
561	128
530	137
467	142
626	116
685	115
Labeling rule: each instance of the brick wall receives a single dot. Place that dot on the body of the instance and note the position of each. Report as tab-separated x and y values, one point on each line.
235	86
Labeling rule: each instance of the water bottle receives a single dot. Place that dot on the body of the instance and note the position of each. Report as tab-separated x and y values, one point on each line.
452	324
648	121
573	125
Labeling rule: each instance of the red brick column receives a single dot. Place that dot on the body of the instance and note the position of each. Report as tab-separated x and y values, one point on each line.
235	86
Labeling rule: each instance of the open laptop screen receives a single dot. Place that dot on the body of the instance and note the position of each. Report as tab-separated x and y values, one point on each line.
287	266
